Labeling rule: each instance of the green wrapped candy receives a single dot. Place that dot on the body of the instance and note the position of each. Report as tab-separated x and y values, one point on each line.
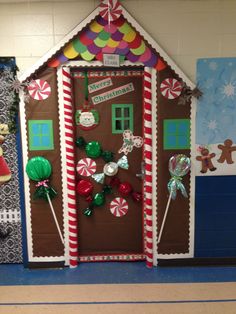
107	156
99	199
80	142
93	149
88	212
107	189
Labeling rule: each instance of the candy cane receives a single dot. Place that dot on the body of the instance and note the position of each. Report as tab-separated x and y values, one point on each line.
70	167
148	165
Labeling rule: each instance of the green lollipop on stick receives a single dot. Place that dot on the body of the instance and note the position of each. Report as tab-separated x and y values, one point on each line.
39	170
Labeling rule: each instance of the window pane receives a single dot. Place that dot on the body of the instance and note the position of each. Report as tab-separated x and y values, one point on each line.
118	125
126	124
183	128
36	141
45	141
44	128
36	128
118	112
126	112
183	141
171	127
171	141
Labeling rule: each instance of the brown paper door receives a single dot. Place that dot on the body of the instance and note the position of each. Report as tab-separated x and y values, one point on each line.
117	97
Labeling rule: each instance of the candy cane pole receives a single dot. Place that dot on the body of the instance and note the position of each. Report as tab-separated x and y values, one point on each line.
148	164
70	167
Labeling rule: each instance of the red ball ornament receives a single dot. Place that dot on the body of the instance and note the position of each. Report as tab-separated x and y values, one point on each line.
84	188
137	196
125	188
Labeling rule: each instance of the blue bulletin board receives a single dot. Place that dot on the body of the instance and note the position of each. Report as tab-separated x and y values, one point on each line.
215	197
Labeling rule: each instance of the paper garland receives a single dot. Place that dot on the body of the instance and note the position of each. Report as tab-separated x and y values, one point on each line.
86	167
119	207
39	89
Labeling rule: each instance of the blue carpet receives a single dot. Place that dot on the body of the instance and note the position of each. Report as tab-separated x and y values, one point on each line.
113	273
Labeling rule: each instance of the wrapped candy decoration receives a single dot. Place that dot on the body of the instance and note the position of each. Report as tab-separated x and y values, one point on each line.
93	149
179	166
125	188
84	188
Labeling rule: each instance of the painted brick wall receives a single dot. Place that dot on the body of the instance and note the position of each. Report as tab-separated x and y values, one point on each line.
186	29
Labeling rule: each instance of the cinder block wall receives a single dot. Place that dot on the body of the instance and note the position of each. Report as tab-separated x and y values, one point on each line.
186	29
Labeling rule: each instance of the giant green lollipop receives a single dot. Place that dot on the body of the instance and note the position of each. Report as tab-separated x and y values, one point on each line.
39	170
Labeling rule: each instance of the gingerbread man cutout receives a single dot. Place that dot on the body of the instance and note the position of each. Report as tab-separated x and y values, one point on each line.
205	159
227	149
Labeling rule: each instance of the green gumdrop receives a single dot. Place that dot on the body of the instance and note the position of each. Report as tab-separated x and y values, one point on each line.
99	199
80	142
93	149
38	168
107	156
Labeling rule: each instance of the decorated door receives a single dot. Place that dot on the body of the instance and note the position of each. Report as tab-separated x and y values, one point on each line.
108	109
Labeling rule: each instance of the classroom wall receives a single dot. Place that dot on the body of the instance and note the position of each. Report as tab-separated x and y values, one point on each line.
185	29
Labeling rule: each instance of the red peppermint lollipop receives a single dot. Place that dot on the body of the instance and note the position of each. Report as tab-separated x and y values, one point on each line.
39	89
86	167
110	10
119	207
171	88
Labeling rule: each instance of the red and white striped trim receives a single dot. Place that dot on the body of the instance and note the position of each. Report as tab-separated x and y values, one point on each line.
70	166
148	166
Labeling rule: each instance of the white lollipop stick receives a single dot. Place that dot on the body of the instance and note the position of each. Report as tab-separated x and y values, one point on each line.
55	219
164	218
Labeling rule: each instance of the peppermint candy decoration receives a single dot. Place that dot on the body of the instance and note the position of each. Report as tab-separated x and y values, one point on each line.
119	207
39	89
171	88
110	10
86	167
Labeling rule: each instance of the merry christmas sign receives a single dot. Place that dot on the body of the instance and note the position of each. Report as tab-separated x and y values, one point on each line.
215	151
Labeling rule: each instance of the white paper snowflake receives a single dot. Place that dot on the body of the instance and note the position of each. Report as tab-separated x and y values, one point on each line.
212	125
228	90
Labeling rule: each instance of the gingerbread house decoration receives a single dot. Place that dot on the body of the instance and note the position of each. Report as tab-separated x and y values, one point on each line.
103	107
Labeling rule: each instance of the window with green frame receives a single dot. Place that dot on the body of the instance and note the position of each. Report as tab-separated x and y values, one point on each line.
176	134
122	118
41	135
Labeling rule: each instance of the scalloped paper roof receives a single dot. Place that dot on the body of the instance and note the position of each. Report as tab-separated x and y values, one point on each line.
114	37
